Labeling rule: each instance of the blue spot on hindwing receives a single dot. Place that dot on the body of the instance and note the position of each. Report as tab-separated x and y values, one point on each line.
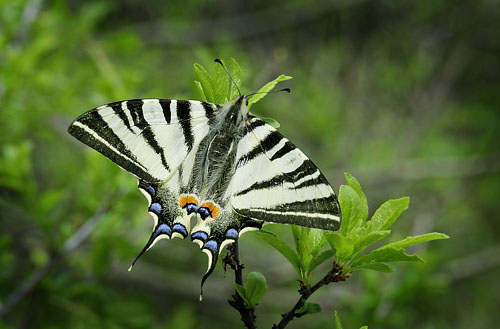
232	234
211	245
204	212
150	189
191	208
163	229
200	235
155	208
180	229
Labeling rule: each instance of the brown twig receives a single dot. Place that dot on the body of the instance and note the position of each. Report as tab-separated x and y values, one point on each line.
247	313
334	275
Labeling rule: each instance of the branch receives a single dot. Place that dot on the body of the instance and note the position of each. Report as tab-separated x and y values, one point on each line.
335	275
247	313
69	246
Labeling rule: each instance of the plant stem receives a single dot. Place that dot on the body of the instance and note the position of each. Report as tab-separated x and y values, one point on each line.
233	260
334	275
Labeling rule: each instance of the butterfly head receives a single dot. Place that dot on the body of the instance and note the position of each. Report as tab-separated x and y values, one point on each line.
241	103
236	110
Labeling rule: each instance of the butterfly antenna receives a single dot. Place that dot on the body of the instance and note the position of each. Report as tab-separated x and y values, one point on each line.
269	92
227	72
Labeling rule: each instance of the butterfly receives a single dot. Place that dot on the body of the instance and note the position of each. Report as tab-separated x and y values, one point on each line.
210	172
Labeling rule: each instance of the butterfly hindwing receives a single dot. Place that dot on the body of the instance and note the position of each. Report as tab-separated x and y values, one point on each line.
275	182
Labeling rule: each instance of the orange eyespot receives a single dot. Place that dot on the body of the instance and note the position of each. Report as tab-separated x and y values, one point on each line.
214	210
183	201
186	199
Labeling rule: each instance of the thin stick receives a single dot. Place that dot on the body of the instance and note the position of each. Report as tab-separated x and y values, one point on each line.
335	275
247	313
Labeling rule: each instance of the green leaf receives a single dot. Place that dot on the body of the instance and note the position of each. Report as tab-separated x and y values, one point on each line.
316	239
351	207
303	247
386	255
380	267
343	246
300	239
255	288
284	249
205	81
363	205
200	91
318	260
411	240
388	213
242	292
364	327
337	323
216	86
270	121
221	84
308	243
237	74
368	239
309	308
297	235
266	88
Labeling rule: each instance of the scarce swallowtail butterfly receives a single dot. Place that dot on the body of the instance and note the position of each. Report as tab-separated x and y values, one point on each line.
217	167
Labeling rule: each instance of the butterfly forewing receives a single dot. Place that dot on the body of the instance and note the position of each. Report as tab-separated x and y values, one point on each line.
147	137
275	182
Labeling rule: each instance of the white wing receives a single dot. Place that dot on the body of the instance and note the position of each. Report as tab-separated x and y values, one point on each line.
147	137
275	182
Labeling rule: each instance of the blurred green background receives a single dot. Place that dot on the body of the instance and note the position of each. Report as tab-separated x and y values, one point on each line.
404	95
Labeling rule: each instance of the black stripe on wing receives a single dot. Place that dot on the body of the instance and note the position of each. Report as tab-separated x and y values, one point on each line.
97	131
184	117
321	210
287	147
136	111
265	145
117	108
305	169
209	111
120	131
165	106
308	219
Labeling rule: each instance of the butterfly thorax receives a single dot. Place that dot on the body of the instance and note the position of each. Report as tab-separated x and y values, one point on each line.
231	115
219	152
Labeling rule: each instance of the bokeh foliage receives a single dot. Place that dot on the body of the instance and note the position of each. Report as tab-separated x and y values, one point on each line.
403	95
